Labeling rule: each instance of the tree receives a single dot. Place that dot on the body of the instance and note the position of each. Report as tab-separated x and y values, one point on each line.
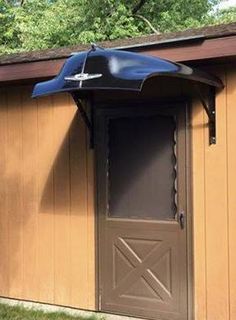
226	15
9	40
39	24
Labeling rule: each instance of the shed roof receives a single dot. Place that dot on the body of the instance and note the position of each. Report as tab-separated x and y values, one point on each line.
210	32
200	45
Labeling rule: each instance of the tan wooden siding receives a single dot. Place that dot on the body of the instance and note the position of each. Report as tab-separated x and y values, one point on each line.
214	206
46	201
46	209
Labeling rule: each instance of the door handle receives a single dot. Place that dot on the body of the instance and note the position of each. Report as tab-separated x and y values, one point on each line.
181	219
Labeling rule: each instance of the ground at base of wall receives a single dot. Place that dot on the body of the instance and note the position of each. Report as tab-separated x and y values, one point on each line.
15	309
20	313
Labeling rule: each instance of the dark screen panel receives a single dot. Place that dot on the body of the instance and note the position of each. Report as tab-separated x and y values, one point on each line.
141	167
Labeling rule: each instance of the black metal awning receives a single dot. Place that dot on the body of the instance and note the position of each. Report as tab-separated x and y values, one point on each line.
99	69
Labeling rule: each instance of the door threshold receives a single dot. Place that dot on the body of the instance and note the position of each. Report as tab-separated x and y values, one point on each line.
112	316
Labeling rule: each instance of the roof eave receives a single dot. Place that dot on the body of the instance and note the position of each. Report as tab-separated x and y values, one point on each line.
188	50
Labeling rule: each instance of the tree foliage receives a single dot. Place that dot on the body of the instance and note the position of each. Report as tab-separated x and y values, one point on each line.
226	15
38	24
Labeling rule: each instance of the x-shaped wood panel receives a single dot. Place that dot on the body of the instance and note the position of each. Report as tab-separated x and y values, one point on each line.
142	269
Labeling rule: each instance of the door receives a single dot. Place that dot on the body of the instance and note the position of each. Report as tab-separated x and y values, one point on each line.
141	182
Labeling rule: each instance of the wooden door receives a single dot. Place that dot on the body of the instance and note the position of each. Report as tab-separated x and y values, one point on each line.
141	183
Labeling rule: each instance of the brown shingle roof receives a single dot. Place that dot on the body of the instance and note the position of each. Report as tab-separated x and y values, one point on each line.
150	40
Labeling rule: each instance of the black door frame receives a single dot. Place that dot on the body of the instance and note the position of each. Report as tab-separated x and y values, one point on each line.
166	102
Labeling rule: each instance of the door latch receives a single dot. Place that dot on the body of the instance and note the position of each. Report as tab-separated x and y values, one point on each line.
180	217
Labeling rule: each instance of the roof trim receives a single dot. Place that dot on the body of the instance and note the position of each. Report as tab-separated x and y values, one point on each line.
198	47
162	42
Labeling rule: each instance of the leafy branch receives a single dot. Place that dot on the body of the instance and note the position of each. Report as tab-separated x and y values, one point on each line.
147	22
138	6
14	3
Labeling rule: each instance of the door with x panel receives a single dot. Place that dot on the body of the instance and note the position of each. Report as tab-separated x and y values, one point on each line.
141	181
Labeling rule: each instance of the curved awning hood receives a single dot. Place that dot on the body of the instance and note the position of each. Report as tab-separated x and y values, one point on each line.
99	69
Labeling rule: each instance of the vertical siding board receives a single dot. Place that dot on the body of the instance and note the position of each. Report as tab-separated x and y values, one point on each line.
216	216
14	193
62	122
4	249
79	236
45	250
199	227
29	189
231	133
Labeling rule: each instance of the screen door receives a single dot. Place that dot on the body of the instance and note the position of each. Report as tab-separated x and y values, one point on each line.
141	183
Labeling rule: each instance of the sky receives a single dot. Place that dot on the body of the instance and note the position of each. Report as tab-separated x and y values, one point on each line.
227	4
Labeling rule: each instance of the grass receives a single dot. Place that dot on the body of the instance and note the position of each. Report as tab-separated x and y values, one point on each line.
20	313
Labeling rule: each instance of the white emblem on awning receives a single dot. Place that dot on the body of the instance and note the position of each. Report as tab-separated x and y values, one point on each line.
83	76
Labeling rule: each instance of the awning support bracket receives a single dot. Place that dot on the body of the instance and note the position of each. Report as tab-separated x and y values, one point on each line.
87	117
209	107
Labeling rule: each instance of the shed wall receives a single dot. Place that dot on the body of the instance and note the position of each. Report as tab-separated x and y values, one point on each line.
46	201
214	206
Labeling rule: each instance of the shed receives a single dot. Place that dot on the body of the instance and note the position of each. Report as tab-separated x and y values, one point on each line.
143	223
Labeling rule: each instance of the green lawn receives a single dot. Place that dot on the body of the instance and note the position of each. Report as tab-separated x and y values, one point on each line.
20	313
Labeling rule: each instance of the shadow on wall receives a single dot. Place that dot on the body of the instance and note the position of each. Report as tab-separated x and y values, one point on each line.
65	186
43	169
63	208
